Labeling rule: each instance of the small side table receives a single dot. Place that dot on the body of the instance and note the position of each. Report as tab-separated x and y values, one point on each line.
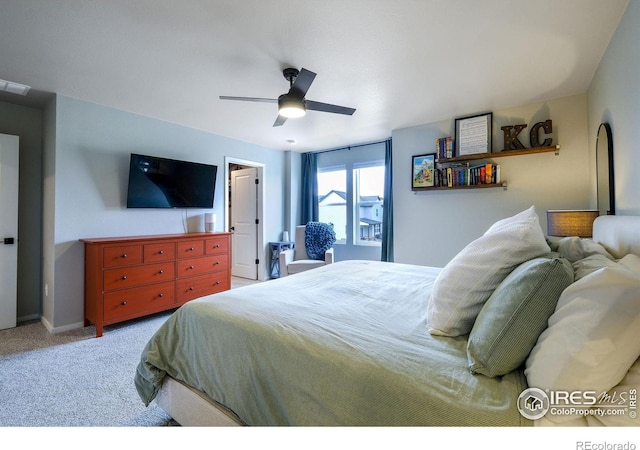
276	248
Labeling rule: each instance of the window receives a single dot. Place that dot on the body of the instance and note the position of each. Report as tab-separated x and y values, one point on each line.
350	196
368	194
332	200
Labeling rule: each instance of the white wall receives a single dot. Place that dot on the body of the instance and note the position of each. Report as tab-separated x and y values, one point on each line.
430	227
614	97
91	166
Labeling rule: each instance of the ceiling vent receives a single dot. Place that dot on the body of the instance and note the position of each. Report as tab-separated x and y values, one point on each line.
14	88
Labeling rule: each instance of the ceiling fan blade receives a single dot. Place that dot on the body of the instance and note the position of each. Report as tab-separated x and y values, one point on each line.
302	83
325	107
250	99
279	121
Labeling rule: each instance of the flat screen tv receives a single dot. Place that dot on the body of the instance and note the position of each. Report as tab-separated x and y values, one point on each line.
168	183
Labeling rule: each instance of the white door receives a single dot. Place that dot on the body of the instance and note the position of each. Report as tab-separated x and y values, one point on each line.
244	214
8	230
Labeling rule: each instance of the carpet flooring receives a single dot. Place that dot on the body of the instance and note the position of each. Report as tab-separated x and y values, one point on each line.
75	379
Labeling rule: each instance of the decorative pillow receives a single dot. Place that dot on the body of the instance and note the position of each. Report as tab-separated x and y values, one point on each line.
593	337
511	321
318	238
467	281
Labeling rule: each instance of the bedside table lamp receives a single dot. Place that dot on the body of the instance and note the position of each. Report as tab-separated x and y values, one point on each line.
571	222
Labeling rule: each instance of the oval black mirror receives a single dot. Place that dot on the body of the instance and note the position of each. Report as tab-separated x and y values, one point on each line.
604	170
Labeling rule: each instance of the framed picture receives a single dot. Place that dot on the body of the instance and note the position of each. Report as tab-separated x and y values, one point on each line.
473	134
423	171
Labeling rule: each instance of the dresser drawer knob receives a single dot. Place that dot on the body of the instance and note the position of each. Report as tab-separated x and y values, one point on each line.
124	303
217	245
217	283
190	249
124	255
191	288
161	295
190	267
161	272
161	252
124	277
217	263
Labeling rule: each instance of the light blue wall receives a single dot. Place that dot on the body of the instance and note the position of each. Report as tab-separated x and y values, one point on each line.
614	97
92	148
431	227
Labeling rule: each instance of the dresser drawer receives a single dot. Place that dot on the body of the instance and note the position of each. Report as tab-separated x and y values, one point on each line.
126	255
189	249
132	302
194	287
216	245
199	266
126	277
165	251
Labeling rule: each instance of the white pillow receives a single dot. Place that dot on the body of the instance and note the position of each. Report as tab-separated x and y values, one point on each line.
621	395
593	336
584	267
575	248
590	264
469	279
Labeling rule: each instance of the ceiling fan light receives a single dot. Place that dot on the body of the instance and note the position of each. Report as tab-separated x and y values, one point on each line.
290	107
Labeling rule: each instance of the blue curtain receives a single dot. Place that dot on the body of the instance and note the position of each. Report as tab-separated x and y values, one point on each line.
309	201
387	208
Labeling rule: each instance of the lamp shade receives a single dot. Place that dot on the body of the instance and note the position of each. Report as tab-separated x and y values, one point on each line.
571	222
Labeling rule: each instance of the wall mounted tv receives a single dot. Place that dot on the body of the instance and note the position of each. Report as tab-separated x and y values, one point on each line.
168	183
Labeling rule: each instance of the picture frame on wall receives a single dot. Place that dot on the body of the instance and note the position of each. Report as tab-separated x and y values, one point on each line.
423	169
473	134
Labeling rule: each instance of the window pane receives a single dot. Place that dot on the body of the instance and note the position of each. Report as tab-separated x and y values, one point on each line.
332	200
369	188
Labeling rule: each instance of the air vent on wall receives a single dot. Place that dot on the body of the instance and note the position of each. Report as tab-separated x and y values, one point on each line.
14	88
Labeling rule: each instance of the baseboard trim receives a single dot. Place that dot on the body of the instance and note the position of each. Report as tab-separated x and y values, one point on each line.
54	330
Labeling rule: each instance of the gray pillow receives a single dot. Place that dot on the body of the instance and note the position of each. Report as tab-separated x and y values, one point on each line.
514	316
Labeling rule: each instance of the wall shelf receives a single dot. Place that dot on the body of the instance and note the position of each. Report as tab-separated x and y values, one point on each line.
503	185
480	156
501	154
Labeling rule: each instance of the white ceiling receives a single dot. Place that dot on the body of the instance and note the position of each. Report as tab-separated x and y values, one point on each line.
398	62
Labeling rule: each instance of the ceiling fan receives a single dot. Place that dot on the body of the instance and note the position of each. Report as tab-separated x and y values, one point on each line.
293	104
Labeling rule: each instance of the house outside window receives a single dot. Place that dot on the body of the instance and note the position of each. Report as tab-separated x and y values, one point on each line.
332	200
368	189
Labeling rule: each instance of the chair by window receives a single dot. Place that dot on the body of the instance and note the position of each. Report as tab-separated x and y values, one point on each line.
297	260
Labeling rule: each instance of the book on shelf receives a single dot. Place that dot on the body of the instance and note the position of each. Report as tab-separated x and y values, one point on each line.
463	174
444	147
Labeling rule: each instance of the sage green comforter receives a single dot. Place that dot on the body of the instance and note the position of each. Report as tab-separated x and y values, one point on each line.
344	344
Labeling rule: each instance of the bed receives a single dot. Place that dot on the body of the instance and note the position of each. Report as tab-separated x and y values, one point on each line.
362	343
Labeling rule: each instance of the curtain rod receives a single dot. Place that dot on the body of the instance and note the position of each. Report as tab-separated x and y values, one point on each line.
349	147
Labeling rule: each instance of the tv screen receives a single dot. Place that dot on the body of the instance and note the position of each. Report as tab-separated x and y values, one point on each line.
168	183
